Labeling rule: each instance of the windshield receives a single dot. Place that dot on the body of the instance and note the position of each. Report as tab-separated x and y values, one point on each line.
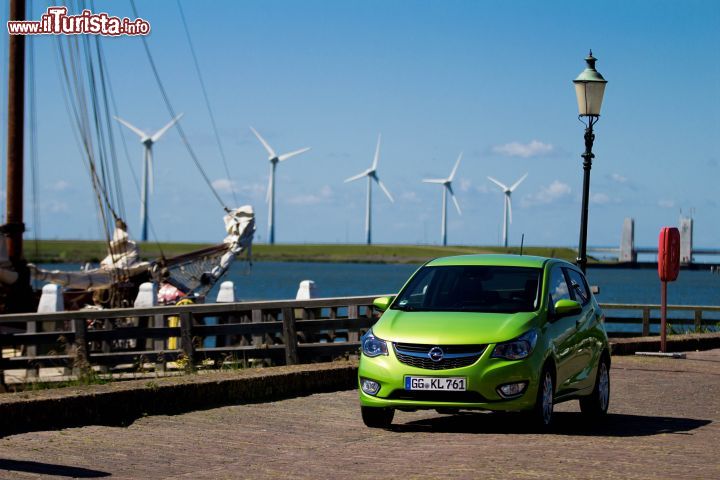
472	288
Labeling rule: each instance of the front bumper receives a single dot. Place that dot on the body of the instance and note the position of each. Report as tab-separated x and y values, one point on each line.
483	378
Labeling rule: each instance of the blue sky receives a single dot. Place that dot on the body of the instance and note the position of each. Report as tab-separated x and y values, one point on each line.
490	78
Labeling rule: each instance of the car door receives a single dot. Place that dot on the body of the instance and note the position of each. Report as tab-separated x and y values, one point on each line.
561	330
585	343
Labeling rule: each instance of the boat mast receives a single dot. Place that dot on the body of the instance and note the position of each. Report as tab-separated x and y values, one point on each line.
19	296
14	226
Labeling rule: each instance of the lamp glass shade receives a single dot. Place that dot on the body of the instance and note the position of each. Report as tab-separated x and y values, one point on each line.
589	97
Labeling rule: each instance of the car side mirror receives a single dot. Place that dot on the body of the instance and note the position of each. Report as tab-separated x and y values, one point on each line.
565	308
383	303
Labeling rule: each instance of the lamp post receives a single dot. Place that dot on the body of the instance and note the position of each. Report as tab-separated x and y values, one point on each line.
589	88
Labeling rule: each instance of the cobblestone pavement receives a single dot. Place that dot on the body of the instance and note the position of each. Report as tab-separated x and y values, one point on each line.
663	423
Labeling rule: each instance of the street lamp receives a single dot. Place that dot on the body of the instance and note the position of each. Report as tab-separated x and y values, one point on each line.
589	88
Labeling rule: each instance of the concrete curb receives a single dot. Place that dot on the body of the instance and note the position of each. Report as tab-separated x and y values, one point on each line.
123	402
675	343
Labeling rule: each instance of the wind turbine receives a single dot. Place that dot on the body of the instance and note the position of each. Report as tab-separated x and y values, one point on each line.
274	158
447	187
147	179
371	174
507	209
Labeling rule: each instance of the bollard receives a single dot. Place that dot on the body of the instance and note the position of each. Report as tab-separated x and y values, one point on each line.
226	294
148	297
306	290
51	299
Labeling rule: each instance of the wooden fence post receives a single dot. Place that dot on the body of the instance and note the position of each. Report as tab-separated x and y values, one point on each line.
353	312
3	387
186	339
159	345
81	365
698	320
289	336
646	322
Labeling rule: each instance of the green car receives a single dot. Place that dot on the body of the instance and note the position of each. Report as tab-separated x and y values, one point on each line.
488	332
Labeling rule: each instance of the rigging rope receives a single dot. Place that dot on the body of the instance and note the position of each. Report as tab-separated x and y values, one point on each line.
171	110
207	100
32	137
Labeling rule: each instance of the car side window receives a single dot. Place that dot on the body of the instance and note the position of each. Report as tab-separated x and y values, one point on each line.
578	286
558	287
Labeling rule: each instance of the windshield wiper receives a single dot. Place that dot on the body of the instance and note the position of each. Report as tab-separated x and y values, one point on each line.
404	308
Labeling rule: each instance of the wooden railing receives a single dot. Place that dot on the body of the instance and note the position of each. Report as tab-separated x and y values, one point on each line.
646	315
279	332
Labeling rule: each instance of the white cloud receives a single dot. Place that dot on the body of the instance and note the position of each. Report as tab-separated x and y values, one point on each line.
60	185
224	185
55	206
323	195
465	185
600	198
253	190
618	178
666	203
410	197
553	192
525	150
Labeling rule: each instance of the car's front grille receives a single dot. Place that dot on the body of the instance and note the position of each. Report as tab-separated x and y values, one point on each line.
454	356
434	396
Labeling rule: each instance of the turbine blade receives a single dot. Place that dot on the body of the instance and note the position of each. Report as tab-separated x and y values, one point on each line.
357	177
162	131
454	170
384	189
285	156
434	180
452	195
514	185
269	149
137	131
509	204
497	183
376	158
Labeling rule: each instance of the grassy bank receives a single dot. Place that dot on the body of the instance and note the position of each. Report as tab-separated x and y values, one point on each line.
80	251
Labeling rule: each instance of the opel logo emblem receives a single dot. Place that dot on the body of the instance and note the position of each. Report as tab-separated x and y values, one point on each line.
435	354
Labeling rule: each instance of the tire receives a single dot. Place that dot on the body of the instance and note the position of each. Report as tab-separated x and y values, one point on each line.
542	413
596	404
375	417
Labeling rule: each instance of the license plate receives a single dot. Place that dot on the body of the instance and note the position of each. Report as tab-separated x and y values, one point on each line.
445	384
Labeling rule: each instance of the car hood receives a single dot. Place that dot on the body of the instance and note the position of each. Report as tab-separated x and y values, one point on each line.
452	328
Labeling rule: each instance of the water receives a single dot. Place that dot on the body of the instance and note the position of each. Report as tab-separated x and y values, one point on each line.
279	280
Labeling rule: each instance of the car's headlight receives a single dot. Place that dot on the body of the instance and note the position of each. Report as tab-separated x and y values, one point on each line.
517	349
373	346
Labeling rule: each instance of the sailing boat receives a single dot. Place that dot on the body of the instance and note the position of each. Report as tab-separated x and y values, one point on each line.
116	281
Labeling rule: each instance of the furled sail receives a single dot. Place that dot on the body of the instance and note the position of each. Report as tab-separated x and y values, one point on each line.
192	273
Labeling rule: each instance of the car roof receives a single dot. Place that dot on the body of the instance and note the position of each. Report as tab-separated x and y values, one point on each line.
491	260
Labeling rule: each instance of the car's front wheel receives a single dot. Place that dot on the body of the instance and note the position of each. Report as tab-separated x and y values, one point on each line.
542	414
375	417
596	404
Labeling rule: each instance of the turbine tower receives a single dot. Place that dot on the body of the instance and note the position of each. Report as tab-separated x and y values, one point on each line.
274	158
507	209
371	174
147	177
447	188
